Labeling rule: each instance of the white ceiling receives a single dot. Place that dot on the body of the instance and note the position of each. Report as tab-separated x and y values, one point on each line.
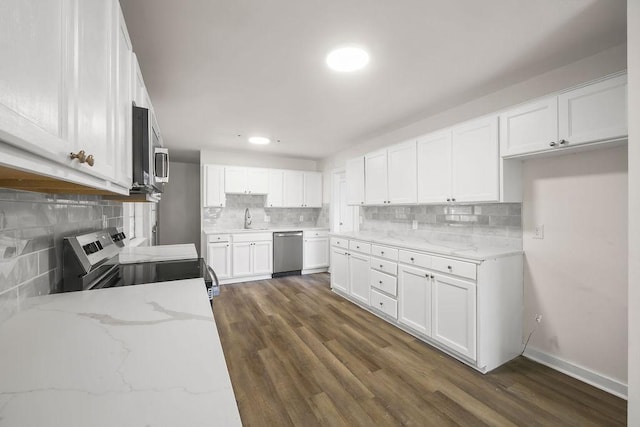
218	68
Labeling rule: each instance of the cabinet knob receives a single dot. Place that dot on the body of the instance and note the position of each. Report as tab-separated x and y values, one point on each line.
380	281
552	144
220	204
362	203
453	200
80	155
449	267
562	142
381	304
381	252
90	160
433	277
380	265
448	200
411	259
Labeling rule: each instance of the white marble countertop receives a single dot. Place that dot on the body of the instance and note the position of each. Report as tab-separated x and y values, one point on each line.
135	254
145	355
264	230
469	251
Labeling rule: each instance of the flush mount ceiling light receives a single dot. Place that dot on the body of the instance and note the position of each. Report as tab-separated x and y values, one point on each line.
347	59
259	140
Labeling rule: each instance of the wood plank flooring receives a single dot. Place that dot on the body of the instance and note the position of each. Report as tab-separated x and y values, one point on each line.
299	355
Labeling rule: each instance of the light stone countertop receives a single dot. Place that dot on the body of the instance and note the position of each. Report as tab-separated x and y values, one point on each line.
126	356
132	254
264	230
469	251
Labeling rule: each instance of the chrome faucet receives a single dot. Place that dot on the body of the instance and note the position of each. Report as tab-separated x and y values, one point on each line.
247	218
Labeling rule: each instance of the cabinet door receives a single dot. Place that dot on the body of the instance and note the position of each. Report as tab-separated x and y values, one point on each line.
140	95
597	112
293	194
262	258
339	269
454	314
235	180
402	173
529	128
434	168
219	258
94	93
312	190
355	181
37	59
359	270
316	252
124	98
414	297
257	181
213	181
376	190
274	196
475	164
241	259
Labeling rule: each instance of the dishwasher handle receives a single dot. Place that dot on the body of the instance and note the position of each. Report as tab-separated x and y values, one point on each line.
296	234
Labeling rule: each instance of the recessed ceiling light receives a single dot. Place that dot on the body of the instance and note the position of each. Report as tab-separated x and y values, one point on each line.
347	59
259	140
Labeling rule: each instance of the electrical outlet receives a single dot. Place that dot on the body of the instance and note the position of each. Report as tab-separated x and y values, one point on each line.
301	217
538	231
267	218
414	225
538	318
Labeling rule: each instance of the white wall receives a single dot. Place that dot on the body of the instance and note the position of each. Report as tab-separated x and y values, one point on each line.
576	277
601	64
633	36
179	208
243	158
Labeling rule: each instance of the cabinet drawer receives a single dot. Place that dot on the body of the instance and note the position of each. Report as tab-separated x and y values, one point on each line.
451	266
415	258
315	233
384	282
252	237
215	238
384	252
385	304
388	267
358	246
340	242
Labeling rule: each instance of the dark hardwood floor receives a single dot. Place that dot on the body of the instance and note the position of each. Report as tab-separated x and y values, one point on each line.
300	355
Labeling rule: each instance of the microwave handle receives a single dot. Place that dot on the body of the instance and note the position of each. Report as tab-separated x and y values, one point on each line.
164	162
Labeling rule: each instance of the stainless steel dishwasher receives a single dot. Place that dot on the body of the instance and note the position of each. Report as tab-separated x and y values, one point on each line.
287	253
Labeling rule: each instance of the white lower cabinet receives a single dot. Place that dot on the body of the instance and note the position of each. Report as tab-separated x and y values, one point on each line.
252	258
262	258
468	308
316	252
414	293
454	314
242	263
359	276
339	269
219	258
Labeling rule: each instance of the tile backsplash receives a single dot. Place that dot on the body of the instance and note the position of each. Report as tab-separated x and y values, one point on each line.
232	215
32	227
495	224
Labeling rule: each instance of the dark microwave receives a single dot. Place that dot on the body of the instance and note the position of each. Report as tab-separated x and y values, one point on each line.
150	160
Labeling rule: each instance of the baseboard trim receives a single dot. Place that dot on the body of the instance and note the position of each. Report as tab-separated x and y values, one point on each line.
578	372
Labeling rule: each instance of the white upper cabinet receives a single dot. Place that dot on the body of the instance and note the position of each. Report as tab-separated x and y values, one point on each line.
312	190
376	190
355	181
94	91
241	180
530	127
593	113
474	155
302	189
434	167
275	195
293	193
140	94
124	98
37	59
213	191
402	174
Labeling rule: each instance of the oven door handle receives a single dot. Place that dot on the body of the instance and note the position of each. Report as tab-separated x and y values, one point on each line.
213	273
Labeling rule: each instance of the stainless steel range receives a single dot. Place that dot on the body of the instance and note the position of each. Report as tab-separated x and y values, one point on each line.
90	261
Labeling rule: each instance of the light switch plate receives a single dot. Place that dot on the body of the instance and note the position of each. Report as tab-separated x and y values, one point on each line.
538	231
